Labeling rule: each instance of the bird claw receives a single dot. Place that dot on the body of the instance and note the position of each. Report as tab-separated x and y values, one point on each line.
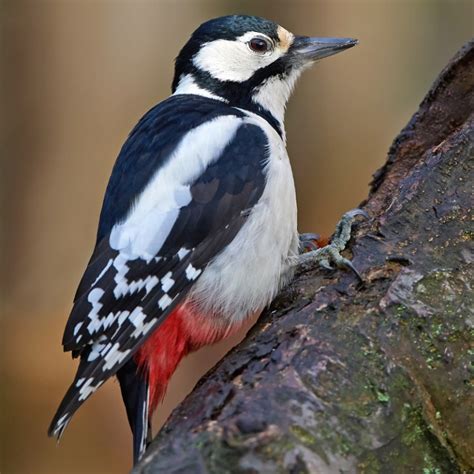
354	213
324	263
348	264
331	253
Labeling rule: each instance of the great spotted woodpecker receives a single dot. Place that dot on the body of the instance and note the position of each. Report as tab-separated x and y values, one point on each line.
198	226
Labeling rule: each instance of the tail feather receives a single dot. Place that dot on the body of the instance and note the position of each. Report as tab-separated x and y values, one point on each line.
136	397
67	408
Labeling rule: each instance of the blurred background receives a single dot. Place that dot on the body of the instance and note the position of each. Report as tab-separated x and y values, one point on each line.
75	77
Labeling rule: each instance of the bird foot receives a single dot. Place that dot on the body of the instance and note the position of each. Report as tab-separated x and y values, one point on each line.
331	253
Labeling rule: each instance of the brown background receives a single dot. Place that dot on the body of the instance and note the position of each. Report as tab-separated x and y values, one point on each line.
76	76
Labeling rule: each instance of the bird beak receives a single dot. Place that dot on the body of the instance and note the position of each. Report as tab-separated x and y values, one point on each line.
305	49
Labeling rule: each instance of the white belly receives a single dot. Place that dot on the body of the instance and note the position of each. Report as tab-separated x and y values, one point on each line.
248	273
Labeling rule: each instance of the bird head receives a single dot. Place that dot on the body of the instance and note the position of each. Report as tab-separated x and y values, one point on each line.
249	62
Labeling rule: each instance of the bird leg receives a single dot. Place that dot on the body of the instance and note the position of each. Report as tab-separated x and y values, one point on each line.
330	253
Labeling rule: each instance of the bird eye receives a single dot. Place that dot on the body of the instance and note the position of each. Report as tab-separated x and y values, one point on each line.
259	45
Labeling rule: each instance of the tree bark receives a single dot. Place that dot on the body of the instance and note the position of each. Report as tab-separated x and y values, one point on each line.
339	377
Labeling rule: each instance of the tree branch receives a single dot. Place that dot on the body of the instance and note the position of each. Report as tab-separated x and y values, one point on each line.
337	377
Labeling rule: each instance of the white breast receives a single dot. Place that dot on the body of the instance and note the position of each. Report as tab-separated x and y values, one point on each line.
248	273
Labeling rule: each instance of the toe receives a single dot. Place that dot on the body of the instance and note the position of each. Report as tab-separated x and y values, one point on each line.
309	242
356	212
309	236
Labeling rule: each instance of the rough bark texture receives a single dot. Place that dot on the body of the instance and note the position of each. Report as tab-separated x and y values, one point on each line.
373	378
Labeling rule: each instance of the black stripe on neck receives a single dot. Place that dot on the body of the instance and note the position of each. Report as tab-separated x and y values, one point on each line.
237	94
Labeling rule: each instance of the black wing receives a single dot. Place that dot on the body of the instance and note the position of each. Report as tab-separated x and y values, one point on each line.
121	300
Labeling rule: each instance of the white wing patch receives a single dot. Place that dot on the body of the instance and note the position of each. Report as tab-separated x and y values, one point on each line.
182	252
143	329
114	356
151	283
137	317
77	327
96	321
164	301
155	211
102	273
167	282
123	286
88	389
192	273
97	348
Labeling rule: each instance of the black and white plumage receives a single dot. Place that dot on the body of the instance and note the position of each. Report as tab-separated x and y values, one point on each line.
200	210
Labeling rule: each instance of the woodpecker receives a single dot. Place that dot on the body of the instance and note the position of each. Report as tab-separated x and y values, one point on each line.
198	228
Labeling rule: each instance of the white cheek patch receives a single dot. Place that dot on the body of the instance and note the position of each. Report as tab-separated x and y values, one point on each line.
226	60
232	60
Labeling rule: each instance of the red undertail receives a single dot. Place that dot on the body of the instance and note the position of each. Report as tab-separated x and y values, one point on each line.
183	332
